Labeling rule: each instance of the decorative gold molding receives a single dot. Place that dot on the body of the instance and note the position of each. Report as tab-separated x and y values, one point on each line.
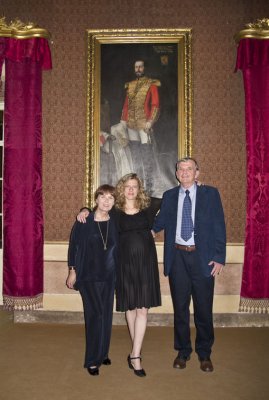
255	30
19	30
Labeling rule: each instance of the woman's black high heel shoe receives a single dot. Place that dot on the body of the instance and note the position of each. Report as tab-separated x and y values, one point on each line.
138	372
106	361
93	371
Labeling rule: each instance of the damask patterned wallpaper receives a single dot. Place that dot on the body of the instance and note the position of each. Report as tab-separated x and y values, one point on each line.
218	117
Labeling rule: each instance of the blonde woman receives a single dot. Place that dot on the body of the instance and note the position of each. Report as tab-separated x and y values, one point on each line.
137	287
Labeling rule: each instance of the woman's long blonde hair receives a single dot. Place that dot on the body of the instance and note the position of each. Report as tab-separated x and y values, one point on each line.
142	200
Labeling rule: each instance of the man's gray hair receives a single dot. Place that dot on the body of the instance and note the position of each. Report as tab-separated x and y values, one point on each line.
185	159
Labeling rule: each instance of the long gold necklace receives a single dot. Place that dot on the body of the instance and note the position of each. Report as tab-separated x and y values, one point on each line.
104	241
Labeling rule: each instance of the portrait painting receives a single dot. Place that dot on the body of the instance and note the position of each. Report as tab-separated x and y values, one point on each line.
139	106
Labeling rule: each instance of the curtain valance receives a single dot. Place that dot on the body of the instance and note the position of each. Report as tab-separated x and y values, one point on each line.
252	53
34	49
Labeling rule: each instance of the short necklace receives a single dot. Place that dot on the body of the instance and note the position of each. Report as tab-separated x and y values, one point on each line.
104	241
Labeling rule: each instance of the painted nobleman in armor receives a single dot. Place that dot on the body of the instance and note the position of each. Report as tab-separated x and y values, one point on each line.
140	112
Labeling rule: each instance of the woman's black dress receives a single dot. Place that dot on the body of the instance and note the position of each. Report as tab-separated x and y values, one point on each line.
138	282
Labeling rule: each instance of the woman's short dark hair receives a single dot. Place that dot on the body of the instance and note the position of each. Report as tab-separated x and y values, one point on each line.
104	189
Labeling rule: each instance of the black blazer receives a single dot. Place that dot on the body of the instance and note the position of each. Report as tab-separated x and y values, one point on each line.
209	227
86	251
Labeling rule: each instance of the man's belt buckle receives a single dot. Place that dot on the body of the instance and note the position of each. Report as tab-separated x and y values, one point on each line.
185	248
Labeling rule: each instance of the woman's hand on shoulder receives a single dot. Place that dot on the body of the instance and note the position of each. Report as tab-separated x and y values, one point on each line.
81	217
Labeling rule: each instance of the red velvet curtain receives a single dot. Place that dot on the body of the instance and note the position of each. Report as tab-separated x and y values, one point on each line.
22	195
253	60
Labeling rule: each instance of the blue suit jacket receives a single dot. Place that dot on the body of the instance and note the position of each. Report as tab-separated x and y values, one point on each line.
209	227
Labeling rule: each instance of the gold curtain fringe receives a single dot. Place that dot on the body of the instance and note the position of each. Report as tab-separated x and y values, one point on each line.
258	306
19	30
255	30
22	303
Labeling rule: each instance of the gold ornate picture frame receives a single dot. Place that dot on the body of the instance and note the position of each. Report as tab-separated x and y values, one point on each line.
111	82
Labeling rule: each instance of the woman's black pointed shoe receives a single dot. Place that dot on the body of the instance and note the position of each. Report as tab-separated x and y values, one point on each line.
140	372
93	371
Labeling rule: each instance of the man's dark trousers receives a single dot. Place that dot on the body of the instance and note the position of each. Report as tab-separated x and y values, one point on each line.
187	280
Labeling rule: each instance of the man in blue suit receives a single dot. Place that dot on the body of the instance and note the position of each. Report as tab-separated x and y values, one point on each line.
194	253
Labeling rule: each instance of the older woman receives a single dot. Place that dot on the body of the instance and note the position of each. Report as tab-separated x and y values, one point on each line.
92	267
138	286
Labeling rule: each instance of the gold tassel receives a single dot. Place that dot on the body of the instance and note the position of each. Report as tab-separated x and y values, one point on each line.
22	303
258	306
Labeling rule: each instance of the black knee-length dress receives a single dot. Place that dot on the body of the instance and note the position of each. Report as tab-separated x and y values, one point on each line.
137	283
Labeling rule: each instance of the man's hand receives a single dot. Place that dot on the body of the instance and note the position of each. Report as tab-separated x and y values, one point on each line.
81	217
148	126
217	268
71	279
199	183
